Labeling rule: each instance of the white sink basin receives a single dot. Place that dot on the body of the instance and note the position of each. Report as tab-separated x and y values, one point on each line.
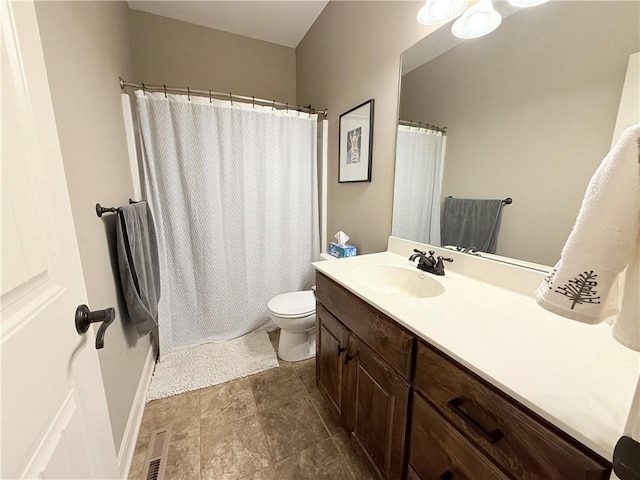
398	281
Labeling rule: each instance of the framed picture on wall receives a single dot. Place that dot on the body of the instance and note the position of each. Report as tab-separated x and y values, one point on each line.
355	144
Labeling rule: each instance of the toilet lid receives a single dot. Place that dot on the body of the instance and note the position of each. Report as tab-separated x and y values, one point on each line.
293	304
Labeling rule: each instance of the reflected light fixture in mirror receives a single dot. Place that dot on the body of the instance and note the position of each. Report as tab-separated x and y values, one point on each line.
526	3
477	21
440	11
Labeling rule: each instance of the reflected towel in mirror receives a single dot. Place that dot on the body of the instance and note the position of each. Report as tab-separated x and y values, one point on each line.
470	222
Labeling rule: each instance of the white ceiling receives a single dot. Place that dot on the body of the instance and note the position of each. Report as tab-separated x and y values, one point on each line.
281	22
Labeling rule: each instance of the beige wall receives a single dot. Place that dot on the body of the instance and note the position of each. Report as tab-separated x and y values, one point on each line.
531	111
86	48
171	52
352	54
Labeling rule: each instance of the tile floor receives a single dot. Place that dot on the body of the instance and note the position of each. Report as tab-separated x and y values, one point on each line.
271	426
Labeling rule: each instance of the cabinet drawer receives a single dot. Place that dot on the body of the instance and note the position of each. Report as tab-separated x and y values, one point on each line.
524	444
437	451
381	333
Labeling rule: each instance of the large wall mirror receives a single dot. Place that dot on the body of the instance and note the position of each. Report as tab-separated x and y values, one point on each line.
530	111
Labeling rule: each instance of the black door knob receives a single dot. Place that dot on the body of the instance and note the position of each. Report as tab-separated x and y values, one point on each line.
85	317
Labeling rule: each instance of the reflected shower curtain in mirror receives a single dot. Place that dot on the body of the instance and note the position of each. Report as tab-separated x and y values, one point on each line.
233	189
417	186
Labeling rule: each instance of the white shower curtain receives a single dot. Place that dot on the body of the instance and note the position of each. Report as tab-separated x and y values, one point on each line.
417	186
233	191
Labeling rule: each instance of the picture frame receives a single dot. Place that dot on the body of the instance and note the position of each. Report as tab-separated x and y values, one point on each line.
355	143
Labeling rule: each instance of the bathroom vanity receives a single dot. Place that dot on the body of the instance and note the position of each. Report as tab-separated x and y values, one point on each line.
471	383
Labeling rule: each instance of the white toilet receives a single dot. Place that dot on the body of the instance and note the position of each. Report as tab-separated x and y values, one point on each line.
295	314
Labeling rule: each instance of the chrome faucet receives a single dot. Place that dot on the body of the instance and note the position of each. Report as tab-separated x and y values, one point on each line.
429	263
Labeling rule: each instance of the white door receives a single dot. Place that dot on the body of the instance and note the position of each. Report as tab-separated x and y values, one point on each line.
54	415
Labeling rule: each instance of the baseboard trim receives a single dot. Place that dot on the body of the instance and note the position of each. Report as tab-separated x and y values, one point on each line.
128	445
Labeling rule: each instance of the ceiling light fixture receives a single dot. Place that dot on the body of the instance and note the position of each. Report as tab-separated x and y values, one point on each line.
526	3
478	20
440	11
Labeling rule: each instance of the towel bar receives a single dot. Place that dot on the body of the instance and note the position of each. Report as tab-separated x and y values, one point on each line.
100	209
506	201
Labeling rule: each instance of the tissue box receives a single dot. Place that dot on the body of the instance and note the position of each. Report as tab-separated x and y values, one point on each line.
342	251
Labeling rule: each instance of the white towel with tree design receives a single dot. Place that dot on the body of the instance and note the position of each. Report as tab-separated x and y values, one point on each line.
587	284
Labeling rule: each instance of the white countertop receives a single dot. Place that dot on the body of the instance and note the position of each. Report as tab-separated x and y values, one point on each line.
576	376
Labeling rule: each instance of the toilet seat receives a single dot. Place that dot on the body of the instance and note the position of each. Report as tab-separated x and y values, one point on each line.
293	304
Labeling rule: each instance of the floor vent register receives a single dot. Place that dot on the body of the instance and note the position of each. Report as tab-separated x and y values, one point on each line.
157	452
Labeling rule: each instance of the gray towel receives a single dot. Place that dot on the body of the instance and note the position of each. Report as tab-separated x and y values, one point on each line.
138	264
471	223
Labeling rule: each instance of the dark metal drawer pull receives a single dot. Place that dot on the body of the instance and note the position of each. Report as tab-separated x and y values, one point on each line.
492	436
341	349
446	475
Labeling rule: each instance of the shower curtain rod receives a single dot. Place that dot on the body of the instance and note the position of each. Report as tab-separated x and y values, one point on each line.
222	96
426	126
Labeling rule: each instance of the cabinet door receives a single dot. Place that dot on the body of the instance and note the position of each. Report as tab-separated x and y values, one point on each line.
376	402
330	350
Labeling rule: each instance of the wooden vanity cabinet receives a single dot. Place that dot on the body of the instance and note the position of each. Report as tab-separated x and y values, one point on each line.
417	414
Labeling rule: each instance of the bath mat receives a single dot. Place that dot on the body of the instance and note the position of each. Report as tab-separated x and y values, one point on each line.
212	363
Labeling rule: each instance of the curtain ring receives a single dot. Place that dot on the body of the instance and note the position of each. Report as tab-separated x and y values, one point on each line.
144	89
273	105
210	97
231	98
165	91
287	107
298	110
188	94
253	102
